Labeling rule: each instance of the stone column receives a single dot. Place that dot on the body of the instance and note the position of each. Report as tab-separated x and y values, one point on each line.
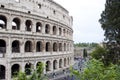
43	28
8	46
22	46
22	26
8	71
9	23
44	66
33	26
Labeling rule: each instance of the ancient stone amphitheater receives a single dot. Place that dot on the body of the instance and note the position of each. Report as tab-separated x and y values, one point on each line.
34	31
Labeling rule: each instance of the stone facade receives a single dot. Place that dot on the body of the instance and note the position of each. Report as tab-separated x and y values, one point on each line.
33	31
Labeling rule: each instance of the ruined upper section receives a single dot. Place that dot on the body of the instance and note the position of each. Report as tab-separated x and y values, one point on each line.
45	8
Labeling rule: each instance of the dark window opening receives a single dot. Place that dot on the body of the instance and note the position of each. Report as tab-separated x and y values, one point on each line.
2	46
15	69
39	6
16	46
38	27
54	30
2	72
65	62
64	47
55	64
48	66
28	46
60	31
54	12
28	25
28	69
29	12
39	46
60	46
16	24
3	22
47	46
60	63
2	6
55	47
47	29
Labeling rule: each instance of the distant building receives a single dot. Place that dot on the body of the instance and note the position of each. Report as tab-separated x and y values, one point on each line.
78	51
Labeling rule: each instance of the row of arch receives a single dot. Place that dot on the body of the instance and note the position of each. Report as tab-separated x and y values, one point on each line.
49	66
40	28
39	46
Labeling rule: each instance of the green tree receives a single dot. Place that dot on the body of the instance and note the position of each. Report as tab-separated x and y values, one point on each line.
110	21
95	70
99	53
36	74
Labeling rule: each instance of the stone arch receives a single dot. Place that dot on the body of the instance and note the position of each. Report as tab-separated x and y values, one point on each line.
48	66
64	32
55	46
38	63
2	46
39	46
28	67
60	63
28	46
47	29
3	22
16	46
16	24
54	30
54	64
60	46
60	31
48	47
28	24
64	46
2	72
65	62
15	69
38	27
68	61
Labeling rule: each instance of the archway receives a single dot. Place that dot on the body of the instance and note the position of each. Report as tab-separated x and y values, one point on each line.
65	62
54	30
38	27
47	29
48	46
3	22
2	46
48	64
28	46
55	46
16	46
28	68
54	64
28	24
60	63
16	24
2	72
39	46
15	69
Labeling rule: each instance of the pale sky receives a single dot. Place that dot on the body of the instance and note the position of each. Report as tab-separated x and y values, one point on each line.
86	14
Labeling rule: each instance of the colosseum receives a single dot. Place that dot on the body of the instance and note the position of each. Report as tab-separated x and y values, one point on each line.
34	31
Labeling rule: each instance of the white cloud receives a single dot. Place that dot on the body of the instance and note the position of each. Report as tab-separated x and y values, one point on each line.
86	14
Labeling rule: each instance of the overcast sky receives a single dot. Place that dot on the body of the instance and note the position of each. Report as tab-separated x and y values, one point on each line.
86	14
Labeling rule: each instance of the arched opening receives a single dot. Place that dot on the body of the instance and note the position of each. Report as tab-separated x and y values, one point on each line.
47	29
64	46
64	32
60	31
38	64
65	62
3	22
60	63
48	46
15	46
28	24
68	61
2	46
2	72
16	24
54	30
28	46
54	46
38	27
39	46
60	46
48	64
54	64
15	69
28	68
